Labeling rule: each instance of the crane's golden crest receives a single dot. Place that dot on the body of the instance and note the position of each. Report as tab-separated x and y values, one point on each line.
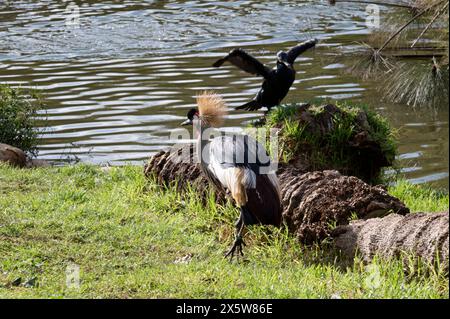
212	108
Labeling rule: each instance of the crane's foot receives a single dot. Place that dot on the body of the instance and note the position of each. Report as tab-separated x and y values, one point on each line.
236	248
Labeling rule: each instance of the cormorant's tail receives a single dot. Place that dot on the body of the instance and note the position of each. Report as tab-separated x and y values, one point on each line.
250	106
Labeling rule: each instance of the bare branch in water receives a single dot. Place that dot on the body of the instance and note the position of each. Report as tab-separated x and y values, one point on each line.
387	4
371	64
437	15
418	15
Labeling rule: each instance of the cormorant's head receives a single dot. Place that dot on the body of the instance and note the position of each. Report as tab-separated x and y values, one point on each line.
190	117
282	57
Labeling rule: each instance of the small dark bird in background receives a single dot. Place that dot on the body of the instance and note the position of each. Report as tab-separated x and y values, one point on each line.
277	81
236	163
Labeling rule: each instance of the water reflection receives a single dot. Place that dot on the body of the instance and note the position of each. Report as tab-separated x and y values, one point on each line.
123	78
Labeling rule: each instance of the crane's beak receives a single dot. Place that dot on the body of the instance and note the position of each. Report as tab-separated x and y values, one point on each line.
187	122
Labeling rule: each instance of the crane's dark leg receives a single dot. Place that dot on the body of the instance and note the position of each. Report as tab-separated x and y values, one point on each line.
238	242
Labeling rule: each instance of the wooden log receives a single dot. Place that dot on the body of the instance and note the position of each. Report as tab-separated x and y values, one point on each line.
12	155
315	202
312	201
424	235
18	158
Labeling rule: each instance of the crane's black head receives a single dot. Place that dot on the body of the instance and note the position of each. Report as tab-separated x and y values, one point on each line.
190	117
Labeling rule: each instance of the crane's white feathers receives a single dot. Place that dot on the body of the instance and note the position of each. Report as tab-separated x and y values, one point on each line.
236	180
238	150
224	166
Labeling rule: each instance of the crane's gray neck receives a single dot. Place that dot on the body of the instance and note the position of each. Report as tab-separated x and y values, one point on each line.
203	141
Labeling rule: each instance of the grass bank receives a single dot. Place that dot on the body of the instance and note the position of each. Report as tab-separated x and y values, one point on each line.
131	239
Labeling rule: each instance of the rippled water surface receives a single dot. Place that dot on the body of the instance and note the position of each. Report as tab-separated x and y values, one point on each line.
122	77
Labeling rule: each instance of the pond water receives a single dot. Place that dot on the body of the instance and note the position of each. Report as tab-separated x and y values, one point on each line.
121	76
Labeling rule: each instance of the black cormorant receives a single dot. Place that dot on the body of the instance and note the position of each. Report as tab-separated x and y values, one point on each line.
277	81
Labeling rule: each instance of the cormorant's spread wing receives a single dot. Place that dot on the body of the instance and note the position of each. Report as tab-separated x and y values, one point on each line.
293	53
244	61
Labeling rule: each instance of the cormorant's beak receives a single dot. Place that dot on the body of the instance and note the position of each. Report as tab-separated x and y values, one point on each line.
187	122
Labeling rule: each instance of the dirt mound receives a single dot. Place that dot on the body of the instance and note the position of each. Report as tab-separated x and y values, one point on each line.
312	202
351	140
424	234
315	202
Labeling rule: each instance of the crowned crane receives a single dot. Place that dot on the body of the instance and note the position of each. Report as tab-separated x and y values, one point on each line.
238	164
277	81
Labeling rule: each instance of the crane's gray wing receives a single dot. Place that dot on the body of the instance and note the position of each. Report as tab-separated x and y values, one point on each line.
245	62
293	53
239	151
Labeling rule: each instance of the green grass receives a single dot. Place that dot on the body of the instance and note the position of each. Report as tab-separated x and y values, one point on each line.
126	234
420	198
